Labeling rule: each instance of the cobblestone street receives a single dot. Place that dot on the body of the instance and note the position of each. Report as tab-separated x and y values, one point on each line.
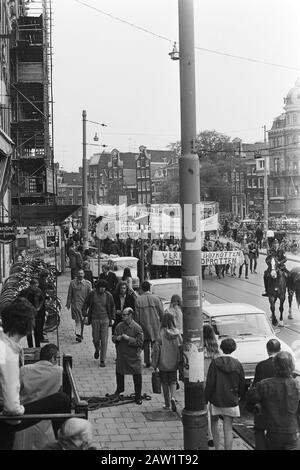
125	426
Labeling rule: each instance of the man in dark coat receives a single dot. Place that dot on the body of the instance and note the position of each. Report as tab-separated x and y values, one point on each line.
123	299
109	277
128	338
259	235
264	370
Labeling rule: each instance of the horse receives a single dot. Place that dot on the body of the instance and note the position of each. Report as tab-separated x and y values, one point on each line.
293	287
276	289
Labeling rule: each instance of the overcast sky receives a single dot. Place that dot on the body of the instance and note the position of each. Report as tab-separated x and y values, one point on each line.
124	77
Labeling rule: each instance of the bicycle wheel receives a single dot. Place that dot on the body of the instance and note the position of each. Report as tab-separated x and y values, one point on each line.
52	322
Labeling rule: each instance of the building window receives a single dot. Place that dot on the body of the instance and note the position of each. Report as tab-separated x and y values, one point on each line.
294	118
249	183
138	163
249	170
276	165
148	185
261	164
254	185
148	199
147	162
148	173
143	172
139	186
295	166
260	182
253	171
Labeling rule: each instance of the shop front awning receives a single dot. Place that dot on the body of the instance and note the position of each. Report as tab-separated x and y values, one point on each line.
42	215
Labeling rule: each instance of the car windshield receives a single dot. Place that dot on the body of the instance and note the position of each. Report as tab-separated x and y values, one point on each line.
165	291
251	324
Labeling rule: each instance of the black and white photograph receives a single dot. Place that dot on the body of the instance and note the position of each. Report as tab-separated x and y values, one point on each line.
150	210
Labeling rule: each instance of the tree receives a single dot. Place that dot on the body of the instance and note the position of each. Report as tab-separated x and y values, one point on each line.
169	192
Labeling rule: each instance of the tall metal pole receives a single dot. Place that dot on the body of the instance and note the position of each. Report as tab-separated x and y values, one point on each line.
266	202
85	210
194	415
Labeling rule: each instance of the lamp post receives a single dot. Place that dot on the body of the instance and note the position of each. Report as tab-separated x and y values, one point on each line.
85	209
266	211
194	415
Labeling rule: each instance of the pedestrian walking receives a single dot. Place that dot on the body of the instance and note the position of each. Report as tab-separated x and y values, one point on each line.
78	292
277	399
253	254
35	296
110	277
75	258
175	310
123	298
211	351
100	309
264	370
259	235
245	251
166	357
128	338
224	386
148	313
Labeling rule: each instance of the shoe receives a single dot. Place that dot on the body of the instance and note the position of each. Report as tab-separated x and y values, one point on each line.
239	276
173	404
210	443
255	272
139	401
148	365
264	294
246	277
96	355
102	364
78	339
165	407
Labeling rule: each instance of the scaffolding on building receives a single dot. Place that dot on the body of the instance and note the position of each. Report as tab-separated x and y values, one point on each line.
32	107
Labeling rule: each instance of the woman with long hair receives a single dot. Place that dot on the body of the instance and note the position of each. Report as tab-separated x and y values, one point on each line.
211	351
175	310
127	277
166	356
123	298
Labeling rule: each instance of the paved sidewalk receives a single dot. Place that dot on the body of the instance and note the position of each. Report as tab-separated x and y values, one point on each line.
125	426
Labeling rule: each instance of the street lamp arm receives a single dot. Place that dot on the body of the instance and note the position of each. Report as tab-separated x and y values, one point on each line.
99	123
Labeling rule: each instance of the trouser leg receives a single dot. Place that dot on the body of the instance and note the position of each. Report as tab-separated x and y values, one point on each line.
96	334
246	270
120	383
30	340
147	352
137	380
77	327
38	330
103	340
260	440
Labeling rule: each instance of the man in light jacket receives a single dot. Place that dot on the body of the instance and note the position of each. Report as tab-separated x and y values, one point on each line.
149	312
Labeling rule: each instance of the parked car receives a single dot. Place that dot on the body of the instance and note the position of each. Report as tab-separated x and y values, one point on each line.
248	326
165	288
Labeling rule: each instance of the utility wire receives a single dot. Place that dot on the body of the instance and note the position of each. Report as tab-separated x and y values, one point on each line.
212	51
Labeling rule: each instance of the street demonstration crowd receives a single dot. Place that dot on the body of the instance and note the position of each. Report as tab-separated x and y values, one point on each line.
141	325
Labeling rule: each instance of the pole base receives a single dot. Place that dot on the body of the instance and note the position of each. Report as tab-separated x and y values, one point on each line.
195	430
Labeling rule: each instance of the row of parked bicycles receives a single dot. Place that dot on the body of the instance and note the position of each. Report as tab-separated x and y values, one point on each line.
19	279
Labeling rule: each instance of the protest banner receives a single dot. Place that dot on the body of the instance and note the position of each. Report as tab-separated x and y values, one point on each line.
208	258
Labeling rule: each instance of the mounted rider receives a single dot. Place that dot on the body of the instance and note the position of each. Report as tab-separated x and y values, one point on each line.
278	253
